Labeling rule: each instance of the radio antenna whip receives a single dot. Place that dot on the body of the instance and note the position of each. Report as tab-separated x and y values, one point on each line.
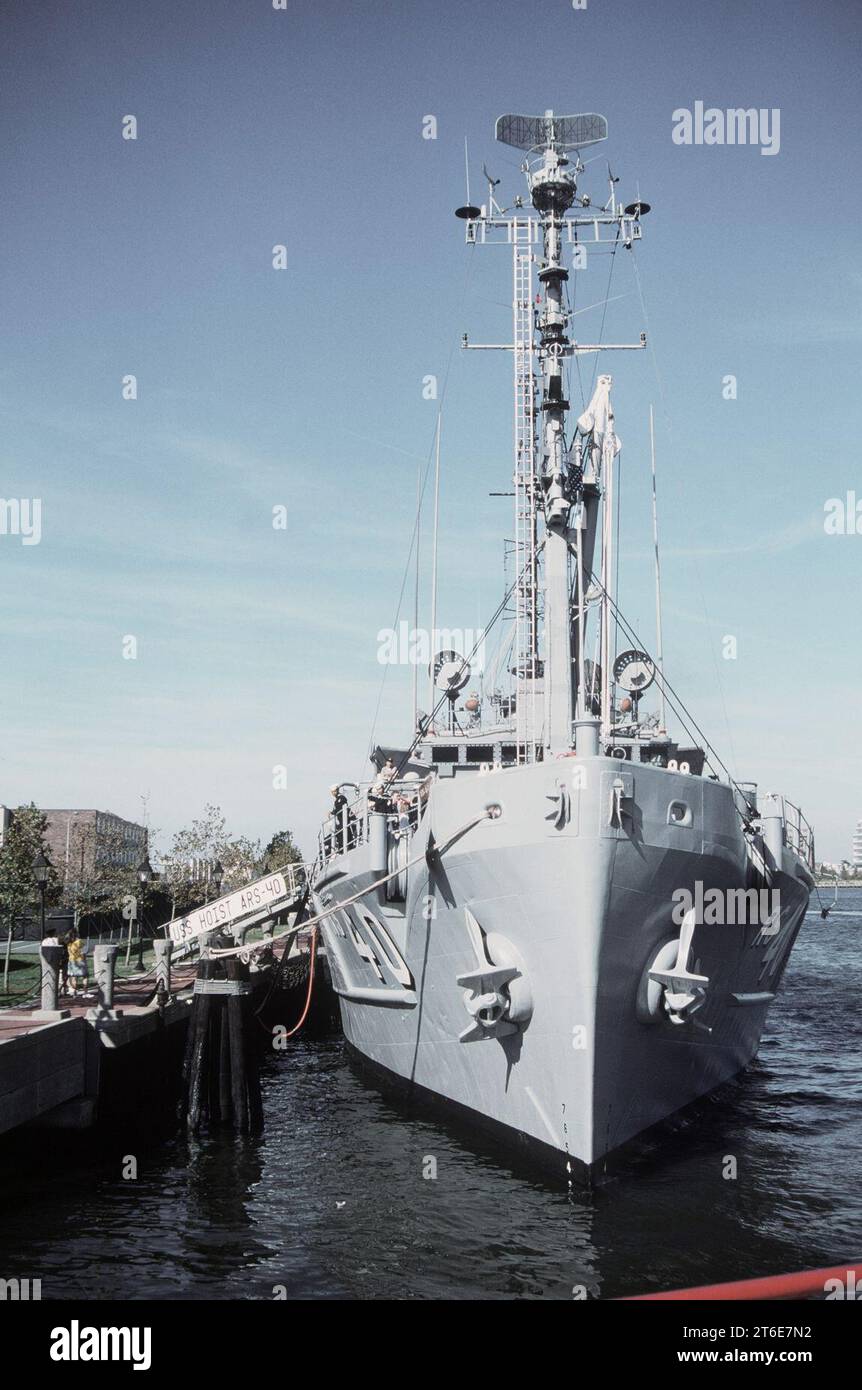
659	652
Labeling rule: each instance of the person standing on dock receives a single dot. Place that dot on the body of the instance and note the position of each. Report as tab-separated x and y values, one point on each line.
77	962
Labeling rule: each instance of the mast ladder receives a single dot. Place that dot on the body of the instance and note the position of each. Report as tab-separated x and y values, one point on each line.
526	593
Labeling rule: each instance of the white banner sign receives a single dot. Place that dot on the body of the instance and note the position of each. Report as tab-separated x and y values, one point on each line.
229	909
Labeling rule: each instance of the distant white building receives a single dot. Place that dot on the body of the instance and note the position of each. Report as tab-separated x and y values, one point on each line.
857	846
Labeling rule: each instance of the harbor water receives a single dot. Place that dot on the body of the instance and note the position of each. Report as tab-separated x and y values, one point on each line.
348	1194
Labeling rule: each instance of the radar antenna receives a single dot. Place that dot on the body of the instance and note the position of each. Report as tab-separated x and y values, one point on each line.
551	132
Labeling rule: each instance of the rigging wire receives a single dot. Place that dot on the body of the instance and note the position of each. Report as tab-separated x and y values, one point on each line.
697	568
605	308
571	303
465	661
414	539
674	699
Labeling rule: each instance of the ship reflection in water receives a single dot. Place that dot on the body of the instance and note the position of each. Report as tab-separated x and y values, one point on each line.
331	1201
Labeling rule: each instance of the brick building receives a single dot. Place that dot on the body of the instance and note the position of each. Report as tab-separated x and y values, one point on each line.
84	843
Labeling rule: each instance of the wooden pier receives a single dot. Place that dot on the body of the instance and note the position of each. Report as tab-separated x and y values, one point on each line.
74	1061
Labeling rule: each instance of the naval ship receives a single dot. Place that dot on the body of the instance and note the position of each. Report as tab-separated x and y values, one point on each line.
548	908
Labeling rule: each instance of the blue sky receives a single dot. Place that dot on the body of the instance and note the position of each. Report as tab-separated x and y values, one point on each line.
303	387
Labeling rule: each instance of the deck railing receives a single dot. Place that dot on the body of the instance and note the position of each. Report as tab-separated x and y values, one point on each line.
798	834
350	828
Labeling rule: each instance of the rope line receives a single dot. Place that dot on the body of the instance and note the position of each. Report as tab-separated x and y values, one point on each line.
274	983
216	954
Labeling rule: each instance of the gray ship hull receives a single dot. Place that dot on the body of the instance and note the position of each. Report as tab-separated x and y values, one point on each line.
570	888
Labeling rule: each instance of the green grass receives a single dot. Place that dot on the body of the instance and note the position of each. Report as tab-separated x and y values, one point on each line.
24	973
24	970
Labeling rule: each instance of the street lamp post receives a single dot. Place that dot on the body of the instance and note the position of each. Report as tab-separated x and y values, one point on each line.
145	876
217	873
41	871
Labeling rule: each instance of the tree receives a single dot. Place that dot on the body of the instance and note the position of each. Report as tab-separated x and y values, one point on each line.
188	865
241	862
281	851
23	840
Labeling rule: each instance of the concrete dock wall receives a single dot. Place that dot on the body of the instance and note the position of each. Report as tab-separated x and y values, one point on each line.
42	1070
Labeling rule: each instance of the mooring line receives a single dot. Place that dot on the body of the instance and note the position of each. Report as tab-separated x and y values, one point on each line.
216	954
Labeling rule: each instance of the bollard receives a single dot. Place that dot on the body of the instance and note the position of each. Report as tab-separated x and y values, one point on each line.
51	958
163	951
105	962
104	965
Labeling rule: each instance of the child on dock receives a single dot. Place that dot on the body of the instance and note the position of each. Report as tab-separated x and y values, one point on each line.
77	962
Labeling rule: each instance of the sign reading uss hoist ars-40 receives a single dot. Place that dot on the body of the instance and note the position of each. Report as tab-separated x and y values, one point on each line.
230	908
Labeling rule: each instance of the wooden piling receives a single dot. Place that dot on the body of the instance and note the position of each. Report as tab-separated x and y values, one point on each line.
225	1092
220	1078
192	1105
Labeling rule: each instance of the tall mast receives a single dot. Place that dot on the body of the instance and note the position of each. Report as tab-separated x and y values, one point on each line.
558	486
526	646
553	188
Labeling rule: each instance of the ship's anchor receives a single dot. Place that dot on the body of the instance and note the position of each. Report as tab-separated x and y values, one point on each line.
674	986
560	816
496	995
